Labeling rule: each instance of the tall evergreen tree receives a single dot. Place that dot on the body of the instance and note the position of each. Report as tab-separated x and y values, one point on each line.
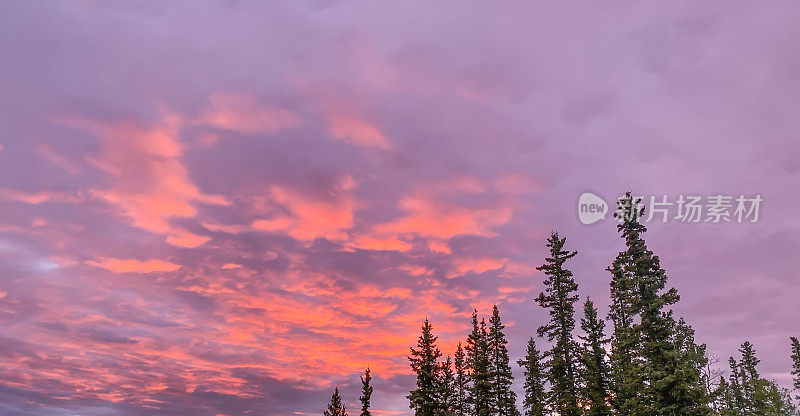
648	374
559	299
748	394
752	389
424	362
534	402
689	392
447	386
779	401
626	362
461	406
335	407
366	393
726	402
596	373
477	352
796	364
503	398
735	402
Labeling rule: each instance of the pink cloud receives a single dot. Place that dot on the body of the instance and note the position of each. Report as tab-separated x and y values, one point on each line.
134	266
477	264
151	185
35	198
369	242
443	220
52	156
242	112
183	238
348	126
310	217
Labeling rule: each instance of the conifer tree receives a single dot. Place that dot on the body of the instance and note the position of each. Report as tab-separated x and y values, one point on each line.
596	373
796	364
688	392
335	407
366	393
726	402
503	398
447	386
424	399
559	299
753	394
736	401
779	401
534	402
478	361
759	396
461	406
626	364
649	372
748	394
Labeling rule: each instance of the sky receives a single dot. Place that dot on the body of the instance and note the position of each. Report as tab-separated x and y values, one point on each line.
231	207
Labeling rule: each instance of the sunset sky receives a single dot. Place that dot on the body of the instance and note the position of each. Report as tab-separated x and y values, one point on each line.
231	207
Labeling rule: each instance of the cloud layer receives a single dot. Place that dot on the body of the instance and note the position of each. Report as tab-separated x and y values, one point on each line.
224	208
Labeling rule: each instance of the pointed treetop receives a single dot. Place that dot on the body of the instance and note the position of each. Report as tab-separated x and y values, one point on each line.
336	407
534	398
366	393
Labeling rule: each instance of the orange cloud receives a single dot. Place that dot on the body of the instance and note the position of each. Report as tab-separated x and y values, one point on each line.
367	242
183	238
441	220
346	125
506	290
517	184
515	269
309	217
241	112
49	154
226	228
151	185
430	214
36	198
134	266
279	223
477	265
415	270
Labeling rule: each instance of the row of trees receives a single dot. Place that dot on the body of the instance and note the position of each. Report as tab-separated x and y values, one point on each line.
745	392
336	407
649	364
478	380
